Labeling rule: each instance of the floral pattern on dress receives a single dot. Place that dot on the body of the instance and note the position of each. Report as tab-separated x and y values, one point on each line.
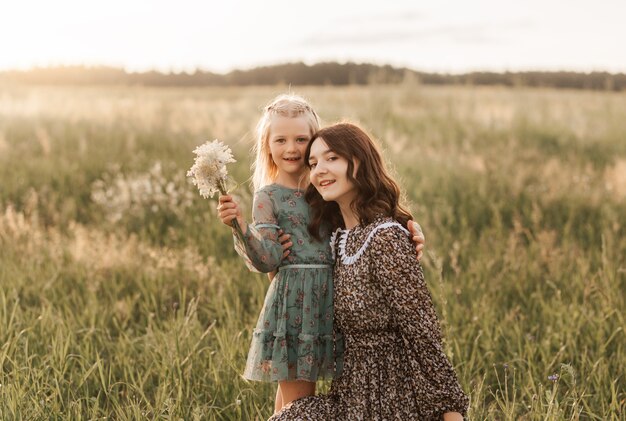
394	367
294	337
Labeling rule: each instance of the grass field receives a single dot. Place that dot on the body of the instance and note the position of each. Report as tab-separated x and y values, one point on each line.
121	297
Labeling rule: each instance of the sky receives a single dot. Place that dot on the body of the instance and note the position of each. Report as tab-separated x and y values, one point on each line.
452	36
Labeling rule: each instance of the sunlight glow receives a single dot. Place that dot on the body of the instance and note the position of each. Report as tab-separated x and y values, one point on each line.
220	36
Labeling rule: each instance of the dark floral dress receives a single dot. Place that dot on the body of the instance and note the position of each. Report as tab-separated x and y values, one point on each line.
394	367
293	339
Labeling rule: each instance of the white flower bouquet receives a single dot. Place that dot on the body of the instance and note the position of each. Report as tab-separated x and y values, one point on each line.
209	173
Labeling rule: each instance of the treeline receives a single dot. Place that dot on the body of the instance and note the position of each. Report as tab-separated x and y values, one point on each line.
300	74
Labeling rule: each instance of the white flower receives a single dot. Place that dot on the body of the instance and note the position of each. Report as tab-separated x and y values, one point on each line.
209	169
135	194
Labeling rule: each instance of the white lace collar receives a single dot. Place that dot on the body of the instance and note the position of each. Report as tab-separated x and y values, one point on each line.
348	260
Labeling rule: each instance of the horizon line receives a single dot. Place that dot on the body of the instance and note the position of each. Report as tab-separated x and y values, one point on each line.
173	70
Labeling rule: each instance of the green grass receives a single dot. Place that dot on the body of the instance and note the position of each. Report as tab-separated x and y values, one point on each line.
138	308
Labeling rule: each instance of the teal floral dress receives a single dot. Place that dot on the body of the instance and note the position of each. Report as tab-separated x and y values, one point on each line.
293	338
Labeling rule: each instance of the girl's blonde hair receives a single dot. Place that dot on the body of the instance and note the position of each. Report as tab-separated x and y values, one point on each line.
285	105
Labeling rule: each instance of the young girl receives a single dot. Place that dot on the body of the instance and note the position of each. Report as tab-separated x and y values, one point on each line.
394	366
293	343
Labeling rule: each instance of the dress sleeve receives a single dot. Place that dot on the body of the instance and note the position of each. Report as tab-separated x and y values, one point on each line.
260	248
400	276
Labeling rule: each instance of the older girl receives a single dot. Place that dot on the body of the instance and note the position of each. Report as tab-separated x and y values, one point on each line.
394	363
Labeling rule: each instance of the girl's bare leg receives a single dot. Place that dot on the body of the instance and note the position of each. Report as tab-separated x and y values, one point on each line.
278	403
292	390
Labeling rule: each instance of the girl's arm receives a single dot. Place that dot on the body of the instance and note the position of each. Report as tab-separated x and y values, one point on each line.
260	247
399	275
283	239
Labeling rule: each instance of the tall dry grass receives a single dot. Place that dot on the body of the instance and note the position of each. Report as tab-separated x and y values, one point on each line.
121	296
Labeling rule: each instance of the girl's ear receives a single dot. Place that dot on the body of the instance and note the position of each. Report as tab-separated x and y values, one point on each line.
356	164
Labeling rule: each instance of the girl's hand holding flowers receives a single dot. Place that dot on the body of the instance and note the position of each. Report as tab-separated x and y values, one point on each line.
228	211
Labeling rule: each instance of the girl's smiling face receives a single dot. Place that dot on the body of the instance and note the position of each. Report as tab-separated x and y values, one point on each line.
329	174
288	139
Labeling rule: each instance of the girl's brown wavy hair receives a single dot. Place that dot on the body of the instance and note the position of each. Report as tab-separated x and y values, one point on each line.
377	192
